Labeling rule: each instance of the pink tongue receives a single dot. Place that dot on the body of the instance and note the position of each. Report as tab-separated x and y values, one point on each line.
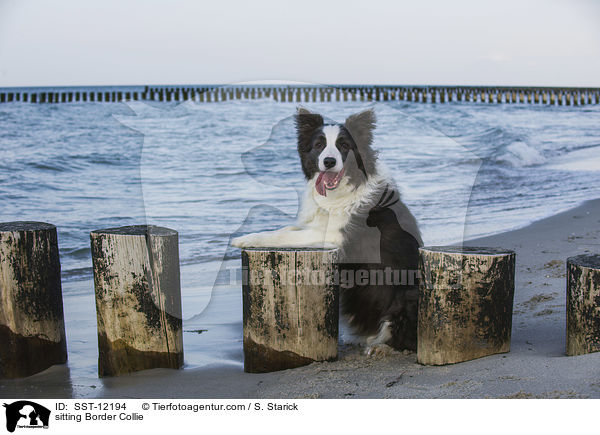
324	177
320	186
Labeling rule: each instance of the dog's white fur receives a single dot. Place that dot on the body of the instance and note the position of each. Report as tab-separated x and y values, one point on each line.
320	219
331	133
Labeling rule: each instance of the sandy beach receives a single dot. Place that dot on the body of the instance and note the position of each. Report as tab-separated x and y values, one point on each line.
536	366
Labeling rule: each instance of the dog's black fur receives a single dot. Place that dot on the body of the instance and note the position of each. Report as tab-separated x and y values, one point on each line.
381	226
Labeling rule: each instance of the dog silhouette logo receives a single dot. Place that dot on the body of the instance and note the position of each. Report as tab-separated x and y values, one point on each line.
26	414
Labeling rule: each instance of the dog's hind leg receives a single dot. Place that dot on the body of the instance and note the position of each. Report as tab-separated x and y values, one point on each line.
377	343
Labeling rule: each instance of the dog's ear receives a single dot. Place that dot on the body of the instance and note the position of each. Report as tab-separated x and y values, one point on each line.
303	111
361	126
306	124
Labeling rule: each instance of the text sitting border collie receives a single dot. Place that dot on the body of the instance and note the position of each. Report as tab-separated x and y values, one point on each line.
352	204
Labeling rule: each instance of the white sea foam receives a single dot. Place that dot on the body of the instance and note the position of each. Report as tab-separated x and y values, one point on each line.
519	154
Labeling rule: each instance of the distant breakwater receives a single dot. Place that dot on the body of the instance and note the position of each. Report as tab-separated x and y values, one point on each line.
307	94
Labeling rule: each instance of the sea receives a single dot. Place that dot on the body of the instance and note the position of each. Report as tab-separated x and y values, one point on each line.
215	170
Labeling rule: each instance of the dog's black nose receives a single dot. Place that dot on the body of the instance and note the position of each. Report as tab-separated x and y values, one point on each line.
329	162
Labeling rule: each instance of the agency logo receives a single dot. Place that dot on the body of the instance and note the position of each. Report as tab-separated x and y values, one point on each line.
26	414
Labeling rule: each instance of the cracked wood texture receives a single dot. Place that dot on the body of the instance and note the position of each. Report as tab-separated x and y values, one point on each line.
138	299
290	307
465	303
583	304
32	328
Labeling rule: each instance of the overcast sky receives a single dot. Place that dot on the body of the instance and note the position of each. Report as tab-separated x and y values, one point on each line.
508	42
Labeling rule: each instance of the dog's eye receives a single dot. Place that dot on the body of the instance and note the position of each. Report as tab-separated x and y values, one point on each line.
344	145
318	145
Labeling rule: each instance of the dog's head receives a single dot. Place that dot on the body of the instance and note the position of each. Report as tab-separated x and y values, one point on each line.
335	151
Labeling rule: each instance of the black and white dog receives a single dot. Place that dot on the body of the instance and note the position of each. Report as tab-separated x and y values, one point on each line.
351	203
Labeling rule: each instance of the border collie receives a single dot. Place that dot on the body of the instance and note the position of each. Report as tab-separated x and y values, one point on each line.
351	203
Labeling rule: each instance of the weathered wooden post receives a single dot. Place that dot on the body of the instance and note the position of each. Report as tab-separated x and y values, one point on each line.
290	307
32	328
500	96
377	93
138	299
465	303
583	304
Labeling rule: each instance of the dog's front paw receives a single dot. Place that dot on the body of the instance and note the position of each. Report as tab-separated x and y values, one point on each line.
247	241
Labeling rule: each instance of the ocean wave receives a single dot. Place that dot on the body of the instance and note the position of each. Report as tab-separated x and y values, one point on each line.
583	159
520	155
77	274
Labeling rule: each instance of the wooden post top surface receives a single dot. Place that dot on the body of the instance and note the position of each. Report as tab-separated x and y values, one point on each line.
467	250
25	226
591	261
307	249
137	230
